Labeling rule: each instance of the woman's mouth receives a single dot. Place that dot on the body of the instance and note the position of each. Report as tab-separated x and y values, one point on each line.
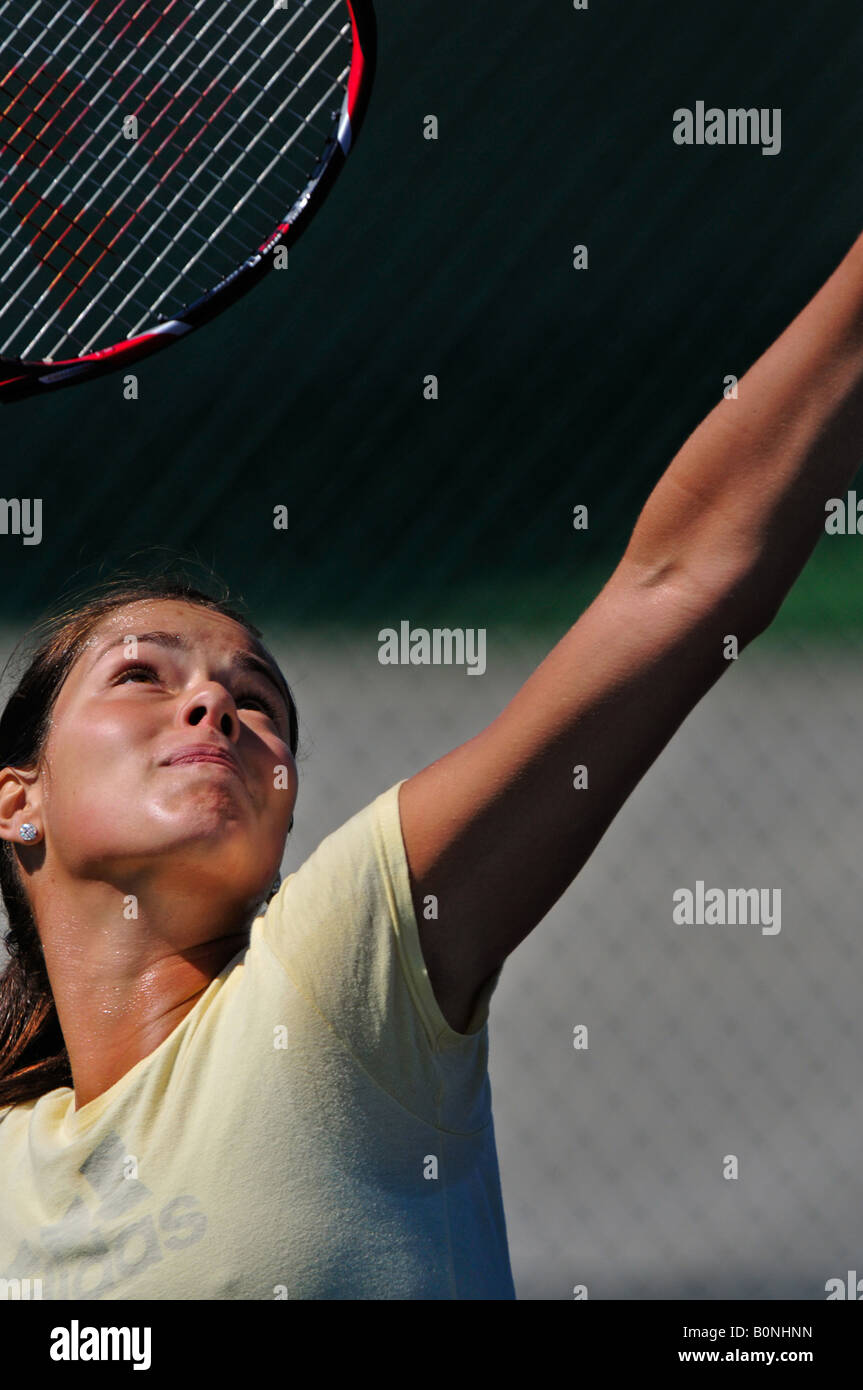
203	754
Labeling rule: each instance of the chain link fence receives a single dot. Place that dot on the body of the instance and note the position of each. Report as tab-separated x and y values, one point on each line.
556	388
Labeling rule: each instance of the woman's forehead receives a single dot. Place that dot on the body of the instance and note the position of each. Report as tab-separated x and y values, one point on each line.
192	620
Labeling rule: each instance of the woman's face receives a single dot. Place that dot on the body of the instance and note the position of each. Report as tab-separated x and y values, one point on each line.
114	806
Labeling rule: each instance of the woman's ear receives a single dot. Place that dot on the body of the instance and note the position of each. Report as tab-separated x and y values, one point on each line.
17	803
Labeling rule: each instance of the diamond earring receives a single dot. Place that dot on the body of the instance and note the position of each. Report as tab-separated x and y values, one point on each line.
277	882
28	831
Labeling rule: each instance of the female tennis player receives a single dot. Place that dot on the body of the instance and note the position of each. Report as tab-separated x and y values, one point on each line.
215	1087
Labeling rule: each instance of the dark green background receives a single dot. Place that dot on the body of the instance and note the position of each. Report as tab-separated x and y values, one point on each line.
454	257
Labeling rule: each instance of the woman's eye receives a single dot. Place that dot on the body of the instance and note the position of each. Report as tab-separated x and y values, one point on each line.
246	698
135	670
262	703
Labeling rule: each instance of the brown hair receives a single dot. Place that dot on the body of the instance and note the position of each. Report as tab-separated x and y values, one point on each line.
33	1056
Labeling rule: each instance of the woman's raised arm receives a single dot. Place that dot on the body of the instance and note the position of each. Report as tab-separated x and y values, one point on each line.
498	828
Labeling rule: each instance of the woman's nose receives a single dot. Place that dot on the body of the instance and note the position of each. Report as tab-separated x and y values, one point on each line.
215	707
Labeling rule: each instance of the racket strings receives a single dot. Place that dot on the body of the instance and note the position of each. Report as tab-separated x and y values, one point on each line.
218	229
235	110
34	137
161	114
244	199
194	38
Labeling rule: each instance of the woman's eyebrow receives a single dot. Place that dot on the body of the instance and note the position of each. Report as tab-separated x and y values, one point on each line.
240	661
162	639
247	661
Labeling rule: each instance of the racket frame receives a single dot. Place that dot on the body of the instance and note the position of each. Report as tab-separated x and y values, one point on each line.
20	378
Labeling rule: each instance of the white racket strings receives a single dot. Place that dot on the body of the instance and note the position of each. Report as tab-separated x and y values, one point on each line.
146	150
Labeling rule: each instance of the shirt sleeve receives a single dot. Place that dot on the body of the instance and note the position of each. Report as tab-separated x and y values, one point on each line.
344	928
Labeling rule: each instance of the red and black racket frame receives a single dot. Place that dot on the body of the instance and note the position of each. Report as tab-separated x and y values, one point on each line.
19	378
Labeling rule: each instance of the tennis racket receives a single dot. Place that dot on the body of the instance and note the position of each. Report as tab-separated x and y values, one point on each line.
155	158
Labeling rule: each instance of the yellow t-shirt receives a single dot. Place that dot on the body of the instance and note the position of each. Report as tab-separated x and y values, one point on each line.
313	1128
